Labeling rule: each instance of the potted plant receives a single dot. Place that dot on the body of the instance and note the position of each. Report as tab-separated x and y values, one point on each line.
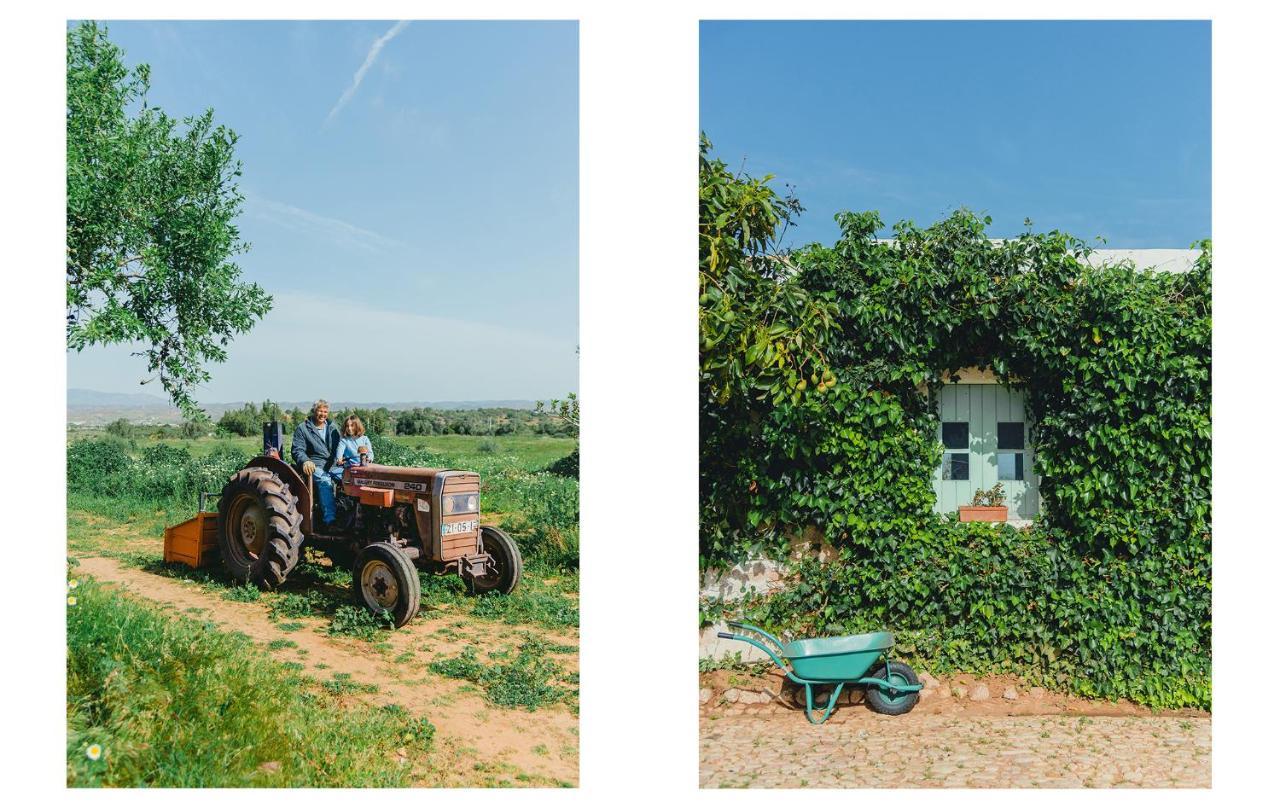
988	506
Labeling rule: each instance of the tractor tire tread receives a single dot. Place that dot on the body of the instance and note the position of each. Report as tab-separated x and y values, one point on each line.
493	539
406	573
283	543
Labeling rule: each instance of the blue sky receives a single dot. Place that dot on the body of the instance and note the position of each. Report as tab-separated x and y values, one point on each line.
418	228
1095	128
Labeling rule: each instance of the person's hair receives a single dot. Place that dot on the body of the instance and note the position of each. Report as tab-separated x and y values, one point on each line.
316	406
358	431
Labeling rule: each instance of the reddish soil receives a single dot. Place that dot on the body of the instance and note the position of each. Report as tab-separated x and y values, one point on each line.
474	740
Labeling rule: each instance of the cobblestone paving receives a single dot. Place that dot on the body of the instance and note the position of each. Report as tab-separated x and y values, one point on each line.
869	750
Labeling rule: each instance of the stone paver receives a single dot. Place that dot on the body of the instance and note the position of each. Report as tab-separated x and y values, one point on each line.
869	750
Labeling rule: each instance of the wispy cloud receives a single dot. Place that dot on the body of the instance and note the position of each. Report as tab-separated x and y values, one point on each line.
314	224
369	59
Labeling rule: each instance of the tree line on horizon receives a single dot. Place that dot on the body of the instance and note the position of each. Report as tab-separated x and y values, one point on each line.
247	421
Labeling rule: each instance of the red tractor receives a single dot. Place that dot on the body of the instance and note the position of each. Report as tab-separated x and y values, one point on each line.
392	520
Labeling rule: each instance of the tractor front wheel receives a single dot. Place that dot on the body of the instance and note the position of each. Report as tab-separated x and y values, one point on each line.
385	580
259	528
503	574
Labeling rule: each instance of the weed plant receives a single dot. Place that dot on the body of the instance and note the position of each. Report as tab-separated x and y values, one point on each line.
529	679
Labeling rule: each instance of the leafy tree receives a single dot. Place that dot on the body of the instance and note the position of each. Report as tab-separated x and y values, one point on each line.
762	333
196	427
121	428
151	209
565	410
245	421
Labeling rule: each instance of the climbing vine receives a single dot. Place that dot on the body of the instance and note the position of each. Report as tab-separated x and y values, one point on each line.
1108	593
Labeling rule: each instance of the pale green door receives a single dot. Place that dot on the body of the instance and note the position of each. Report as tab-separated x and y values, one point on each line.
985	441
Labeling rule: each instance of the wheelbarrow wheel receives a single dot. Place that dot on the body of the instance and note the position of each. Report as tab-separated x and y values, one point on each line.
897	673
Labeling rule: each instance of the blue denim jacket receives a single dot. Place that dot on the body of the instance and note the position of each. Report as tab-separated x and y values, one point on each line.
310	444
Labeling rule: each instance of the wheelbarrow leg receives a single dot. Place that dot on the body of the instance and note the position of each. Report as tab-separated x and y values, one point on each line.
831	703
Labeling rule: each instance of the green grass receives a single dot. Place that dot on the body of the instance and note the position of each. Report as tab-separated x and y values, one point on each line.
353	621
525	677
173	703
342	684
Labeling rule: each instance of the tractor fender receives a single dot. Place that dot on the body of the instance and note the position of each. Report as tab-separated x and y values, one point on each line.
299	487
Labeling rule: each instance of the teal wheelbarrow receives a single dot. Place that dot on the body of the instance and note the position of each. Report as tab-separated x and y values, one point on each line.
892	687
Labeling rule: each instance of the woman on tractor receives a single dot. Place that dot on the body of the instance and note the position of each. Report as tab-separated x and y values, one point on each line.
355	449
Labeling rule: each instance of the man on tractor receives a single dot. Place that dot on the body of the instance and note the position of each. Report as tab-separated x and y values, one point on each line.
315	451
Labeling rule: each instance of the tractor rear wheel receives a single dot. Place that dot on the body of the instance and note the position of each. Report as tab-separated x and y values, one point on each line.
385	580
504	575
259	528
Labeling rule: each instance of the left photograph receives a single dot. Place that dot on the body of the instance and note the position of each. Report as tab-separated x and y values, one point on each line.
322	410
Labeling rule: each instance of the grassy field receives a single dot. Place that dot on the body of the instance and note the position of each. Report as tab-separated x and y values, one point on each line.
163	701
147	686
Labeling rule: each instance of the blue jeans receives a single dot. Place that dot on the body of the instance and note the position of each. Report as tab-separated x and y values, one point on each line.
324	485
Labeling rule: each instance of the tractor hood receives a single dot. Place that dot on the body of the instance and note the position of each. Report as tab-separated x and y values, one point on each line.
405	478
399	473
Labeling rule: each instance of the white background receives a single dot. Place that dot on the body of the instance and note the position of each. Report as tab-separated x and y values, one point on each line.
638	379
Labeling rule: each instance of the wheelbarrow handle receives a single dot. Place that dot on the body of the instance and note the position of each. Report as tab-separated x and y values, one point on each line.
734	624
774	654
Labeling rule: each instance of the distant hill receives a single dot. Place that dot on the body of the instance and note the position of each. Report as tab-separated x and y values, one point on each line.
96	408
80	397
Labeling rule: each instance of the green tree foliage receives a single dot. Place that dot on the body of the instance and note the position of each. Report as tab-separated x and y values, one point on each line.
1109	593
121	428
567	410
151	208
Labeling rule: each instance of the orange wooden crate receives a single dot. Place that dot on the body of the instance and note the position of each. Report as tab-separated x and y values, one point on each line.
194	542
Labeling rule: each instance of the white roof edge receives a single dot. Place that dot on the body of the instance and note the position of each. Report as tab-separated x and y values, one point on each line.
1161	259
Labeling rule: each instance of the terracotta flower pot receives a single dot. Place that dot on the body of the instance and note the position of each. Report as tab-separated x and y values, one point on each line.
984	513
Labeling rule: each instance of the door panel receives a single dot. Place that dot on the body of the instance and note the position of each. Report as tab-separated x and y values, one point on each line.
985	407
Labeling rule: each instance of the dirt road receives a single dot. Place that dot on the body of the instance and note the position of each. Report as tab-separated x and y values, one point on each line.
476	743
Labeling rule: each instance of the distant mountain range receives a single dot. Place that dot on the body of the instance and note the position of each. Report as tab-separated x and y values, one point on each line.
95	407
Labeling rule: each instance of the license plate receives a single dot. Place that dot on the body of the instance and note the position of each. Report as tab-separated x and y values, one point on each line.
450	528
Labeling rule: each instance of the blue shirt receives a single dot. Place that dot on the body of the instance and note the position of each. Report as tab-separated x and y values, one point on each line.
349	449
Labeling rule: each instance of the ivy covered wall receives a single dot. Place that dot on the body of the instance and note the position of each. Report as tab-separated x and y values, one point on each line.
820	370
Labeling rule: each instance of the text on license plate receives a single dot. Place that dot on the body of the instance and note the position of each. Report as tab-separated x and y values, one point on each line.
448	529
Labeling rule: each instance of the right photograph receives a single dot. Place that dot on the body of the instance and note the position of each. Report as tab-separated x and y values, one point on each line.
955	385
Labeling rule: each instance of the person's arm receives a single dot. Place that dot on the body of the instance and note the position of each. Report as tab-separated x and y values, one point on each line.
299	449
364	441
334	439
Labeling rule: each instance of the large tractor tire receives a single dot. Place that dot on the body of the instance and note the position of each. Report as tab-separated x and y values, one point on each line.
385	581
508	566
259	528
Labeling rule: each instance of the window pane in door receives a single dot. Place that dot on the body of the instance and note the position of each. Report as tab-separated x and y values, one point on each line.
1009	435
1009	465
955	466
955	434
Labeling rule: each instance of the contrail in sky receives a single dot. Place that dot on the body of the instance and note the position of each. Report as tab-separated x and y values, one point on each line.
364	68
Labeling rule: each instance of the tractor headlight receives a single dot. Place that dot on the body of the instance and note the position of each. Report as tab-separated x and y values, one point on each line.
461	503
